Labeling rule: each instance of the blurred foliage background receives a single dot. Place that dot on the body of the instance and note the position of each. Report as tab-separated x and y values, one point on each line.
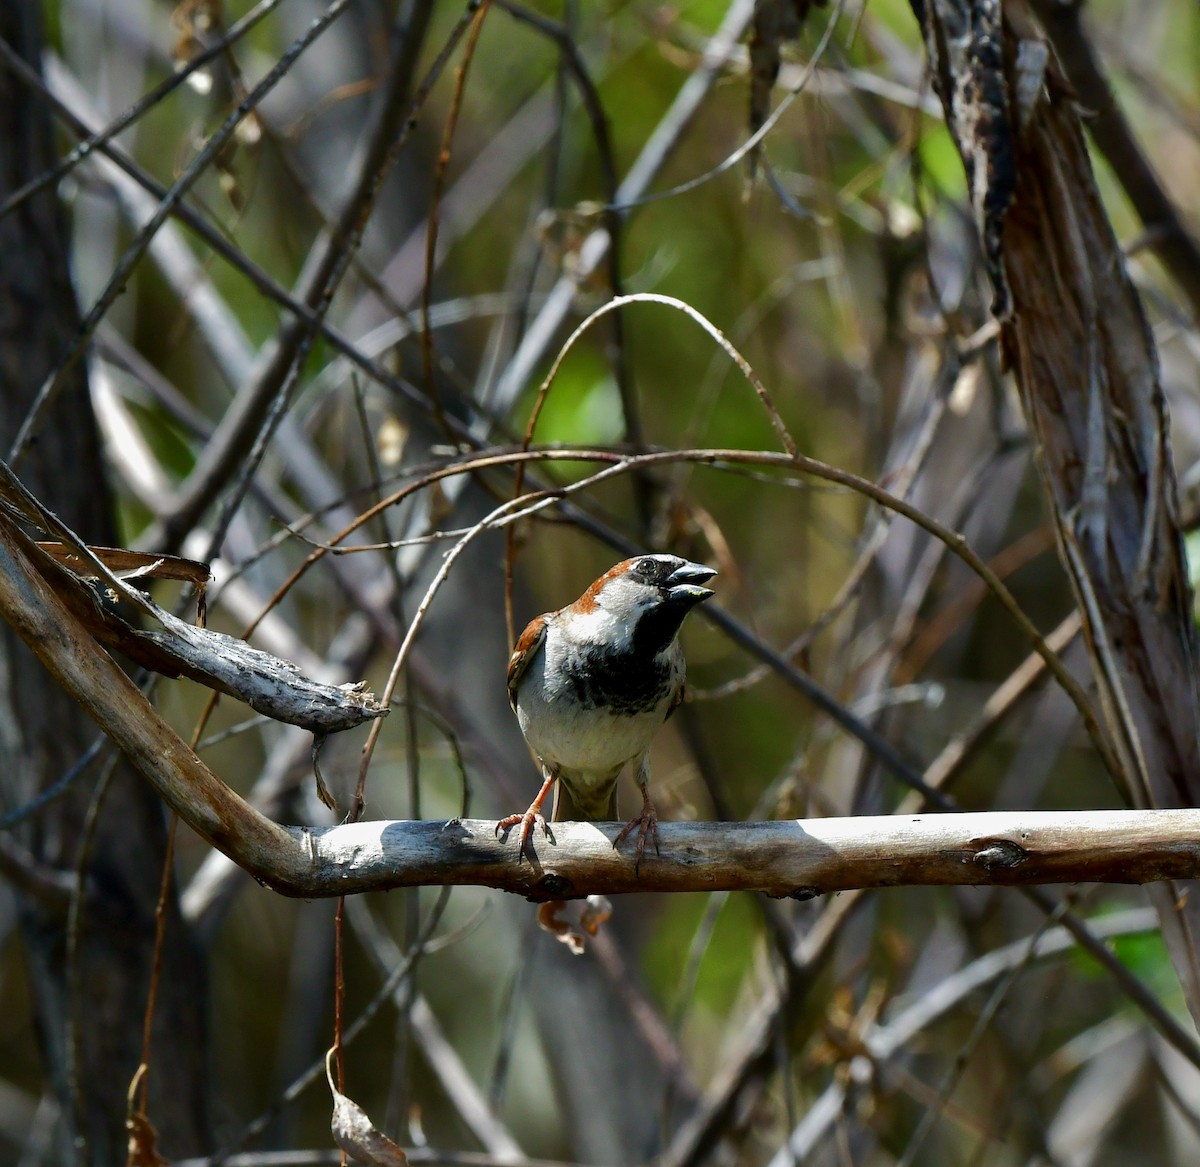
581	145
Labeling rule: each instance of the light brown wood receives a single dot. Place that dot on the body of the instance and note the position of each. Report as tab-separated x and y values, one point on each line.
801	858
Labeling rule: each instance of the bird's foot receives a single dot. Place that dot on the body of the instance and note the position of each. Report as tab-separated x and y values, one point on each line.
646	824
530	819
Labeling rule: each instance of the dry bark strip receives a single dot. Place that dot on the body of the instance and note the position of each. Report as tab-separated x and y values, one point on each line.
269	684
1077	337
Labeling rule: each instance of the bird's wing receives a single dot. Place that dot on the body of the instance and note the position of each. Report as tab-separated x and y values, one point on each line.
529	644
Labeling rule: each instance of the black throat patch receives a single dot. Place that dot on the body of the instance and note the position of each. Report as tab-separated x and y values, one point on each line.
658	626
622	682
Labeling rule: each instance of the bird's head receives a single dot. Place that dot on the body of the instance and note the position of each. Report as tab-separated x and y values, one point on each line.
646	598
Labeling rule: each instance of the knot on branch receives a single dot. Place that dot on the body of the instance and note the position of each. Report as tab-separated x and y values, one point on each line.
798	893
551	887
999	853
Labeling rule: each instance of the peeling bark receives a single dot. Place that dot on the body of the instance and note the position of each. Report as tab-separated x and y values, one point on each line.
1079	343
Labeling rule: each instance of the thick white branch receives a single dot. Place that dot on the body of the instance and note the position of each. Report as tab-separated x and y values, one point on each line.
800	858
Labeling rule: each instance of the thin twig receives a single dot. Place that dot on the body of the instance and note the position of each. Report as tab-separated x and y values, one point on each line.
101	138
120	276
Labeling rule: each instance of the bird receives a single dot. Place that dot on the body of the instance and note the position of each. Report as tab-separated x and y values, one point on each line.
592	683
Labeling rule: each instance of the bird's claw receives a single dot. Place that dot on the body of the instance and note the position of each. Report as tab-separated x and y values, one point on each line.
529	820
646	823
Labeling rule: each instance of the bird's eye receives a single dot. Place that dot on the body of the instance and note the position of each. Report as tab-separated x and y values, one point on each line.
646	567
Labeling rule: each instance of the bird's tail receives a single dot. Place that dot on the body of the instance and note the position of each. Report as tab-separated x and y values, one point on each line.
573	805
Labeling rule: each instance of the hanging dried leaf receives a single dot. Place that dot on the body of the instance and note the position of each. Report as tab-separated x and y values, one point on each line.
354	1132
583	920
143	1138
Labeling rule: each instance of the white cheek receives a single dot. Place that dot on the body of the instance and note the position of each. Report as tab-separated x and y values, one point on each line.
599	626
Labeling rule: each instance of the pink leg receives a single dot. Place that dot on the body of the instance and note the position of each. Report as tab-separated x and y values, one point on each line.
530	818
646	822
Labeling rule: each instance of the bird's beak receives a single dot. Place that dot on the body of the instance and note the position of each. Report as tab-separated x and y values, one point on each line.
683	584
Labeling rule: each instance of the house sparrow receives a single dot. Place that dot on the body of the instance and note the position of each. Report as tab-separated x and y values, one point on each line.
592	683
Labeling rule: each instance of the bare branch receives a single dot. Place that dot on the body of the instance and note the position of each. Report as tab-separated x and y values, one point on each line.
120	277
801	859
885	1042
95	680
793	859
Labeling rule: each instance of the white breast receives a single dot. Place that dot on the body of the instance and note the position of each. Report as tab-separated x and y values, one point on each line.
588	746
